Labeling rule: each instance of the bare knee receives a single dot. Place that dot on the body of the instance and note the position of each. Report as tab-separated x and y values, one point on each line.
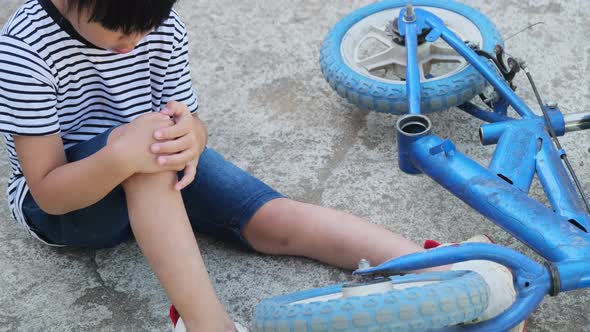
276	243
148	124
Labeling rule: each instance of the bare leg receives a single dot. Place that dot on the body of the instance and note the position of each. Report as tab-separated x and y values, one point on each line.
163	232
287	227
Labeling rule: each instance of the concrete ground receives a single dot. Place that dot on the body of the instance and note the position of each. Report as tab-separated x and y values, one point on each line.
269	110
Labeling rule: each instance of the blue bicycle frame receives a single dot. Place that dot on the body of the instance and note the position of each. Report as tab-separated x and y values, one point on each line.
499	192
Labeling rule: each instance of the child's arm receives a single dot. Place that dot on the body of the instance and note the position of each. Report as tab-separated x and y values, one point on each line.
59	187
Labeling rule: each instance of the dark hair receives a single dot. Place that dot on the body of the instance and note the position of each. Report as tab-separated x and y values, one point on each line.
128	16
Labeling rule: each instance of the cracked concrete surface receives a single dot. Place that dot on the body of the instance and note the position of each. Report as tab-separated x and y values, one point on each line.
255	64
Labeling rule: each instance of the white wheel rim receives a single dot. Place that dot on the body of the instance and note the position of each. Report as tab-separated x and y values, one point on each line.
370	51
367	291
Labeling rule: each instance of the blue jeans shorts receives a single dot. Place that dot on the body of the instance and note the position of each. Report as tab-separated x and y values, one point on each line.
219	202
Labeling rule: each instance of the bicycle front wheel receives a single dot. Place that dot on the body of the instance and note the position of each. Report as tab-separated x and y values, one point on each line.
364	63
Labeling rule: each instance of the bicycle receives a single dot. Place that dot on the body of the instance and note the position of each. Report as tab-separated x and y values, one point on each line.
394	81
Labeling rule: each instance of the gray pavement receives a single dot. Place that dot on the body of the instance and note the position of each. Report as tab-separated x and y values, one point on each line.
269	110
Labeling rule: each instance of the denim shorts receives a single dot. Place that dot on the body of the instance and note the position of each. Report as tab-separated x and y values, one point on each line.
219	202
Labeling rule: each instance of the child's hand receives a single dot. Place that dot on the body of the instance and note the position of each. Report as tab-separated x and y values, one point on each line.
181	145
132	142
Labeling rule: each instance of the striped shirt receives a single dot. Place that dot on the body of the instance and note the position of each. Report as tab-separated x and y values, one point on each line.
53	81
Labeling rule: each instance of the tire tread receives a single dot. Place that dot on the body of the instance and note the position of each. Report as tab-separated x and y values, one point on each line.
432	306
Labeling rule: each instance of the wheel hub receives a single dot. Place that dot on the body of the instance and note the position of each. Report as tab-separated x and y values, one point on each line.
392	30
374	47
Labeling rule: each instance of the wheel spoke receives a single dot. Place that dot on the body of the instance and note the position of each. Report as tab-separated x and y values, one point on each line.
444	54
424	68
379	35
380	60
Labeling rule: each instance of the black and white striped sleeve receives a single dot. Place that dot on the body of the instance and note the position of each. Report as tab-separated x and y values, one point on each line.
178	84
28	95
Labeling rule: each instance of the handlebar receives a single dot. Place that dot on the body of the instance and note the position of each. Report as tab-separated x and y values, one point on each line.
577	121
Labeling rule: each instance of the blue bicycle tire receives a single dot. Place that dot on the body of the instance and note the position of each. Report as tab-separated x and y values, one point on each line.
459	296
390	97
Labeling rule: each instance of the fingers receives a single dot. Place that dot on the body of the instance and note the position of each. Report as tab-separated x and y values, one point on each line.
180	129
176	143
178	112
153	121
176	162
162	120
190	172
182	117
173	146
175	109
153	115
184	124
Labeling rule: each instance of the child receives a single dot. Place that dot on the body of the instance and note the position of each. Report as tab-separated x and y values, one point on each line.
100	120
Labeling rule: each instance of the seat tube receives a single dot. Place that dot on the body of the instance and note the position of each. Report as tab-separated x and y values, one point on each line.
558	186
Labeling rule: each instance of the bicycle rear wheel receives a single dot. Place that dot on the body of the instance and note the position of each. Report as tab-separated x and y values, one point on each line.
416	303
